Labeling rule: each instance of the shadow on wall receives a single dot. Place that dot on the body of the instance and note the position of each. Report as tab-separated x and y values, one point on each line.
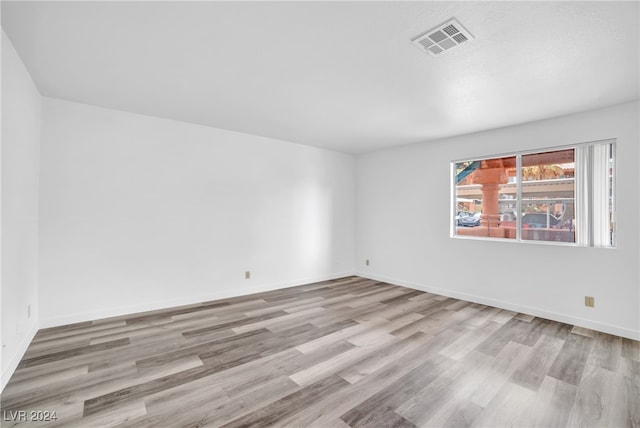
312	228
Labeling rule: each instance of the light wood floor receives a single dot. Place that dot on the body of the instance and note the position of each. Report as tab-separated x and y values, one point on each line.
350	352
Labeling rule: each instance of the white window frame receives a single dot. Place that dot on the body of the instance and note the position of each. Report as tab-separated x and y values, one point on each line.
580	242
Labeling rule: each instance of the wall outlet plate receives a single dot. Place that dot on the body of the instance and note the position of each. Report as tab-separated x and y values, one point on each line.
589	301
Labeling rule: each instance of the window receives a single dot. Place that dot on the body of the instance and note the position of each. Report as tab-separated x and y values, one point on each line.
561	195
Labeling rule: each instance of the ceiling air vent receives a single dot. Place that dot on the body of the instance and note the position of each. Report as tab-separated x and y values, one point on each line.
442	38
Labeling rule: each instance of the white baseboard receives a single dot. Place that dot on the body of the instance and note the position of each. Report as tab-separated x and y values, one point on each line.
164	304
554	316
17	356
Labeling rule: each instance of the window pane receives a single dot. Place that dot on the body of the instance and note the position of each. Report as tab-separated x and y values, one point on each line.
562	195
548	196
548	221
486	198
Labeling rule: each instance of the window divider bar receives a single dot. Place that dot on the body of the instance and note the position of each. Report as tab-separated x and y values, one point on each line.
518	197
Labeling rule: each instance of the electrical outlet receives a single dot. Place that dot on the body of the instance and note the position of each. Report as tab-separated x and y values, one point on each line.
29	310
247	275
366	262
589	301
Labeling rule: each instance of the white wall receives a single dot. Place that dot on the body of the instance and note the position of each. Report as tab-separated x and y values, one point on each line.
404	216
21	110
139	213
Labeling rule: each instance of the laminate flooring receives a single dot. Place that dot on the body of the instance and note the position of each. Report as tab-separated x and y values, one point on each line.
350	352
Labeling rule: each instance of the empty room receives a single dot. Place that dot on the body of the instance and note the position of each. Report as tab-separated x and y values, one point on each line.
320	214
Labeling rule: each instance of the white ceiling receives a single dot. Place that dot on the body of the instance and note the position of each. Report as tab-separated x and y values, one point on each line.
339	75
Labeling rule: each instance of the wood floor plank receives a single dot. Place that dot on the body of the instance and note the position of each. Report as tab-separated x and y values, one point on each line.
113	417
456	413
43	379
404	296
571	360
484	315
524	317
503	315
225	411
350	352
292	403
66	411
631	349
331	407
601	401
337	336
282	366
535	369
233	325
124	395
187	403
383	357
526	333
501	368
464	344
70	353
551	406
376	410
56	345
286	318
337	363
506	407
89	385
288	307
606	352
437	396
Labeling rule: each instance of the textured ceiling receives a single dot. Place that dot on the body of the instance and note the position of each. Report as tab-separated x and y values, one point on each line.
339	75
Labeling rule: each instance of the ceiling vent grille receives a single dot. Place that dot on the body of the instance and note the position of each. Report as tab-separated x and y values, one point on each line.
442	38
